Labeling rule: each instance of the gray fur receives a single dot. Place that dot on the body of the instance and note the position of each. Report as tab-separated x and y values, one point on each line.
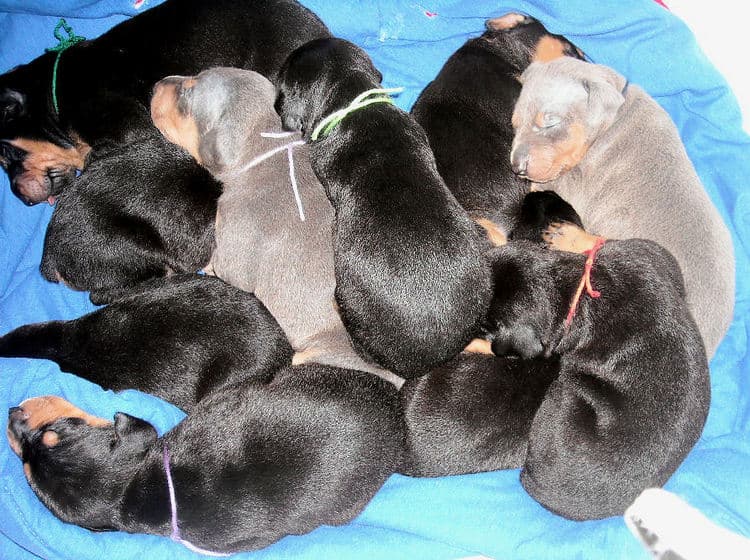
262	246
635	180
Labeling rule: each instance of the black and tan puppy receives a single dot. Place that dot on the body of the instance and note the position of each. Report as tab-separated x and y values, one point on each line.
262	244
466	112
104	85
411	282
251	464
617	384
181	339
109	232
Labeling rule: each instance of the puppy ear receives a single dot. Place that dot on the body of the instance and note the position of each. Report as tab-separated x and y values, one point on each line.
133	432
605	96
12	105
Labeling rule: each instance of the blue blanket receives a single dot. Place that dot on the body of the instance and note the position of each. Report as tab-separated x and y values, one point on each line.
445	518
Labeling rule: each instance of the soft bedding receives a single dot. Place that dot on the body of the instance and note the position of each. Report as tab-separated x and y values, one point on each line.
446	518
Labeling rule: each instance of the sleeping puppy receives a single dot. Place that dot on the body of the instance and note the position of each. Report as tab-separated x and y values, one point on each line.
262	245
620	402
608	149
411	280
466	112
141	211
104	85
180	339
251	464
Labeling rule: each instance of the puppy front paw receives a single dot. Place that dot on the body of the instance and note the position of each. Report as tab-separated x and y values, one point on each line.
564	236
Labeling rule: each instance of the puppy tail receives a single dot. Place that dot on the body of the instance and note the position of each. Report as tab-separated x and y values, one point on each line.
38	340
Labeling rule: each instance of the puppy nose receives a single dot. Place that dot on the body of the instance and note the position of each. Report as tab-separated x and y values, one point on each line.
519	160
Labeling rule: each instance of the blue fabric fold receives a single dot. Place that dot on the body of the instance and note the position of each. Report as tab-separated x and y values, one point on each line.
445	518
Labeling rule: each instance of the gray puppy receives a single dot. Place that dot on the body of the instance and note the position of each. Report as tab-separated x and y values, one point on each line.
614	154
262	244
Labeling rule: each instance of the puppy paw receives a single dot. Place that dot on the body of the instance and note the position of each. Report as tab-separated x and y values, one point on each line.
564	236
494	233
508	21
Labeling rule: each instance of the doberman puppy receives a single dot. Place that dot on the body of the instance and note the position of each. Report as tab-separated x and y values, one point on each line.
611	151
466	112
623	397
104	85
251	464
108	233
222	116
411	280
180	339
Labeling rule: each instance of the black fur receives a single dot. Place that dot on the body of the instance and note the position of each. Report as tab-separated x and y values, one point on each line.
139	212
102	82
411	283
466	113
473	414
540	210
180	339
251	464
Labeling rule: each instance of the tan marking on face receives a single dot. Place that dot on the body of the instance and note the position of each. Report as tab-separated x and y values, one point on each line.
15	445
479	346
176	127
494	233
44	410
548	48
42	156
569	237
548	161
27	471
508	21
50	438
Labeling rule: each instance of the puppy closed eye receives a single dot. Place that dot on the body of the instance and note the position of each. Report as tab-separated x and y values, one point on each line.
546	121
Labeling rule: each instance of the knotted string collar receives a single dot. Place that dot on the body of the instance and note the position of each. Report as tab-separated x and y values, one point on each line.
175	536
585	281
376	95
63	44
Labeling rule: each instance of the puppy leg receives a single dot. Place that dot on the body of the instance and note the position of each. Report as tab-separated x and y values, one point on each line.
479	346
568	237
495	234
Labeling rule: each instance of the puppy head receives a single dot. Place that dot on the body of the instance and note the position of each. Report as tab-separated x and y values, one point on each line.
38	157
521	40
215	114
320	77
563	106
78	464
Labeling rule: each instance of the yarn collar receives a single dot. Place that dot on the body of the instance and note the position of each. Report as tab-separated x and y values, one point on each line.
63	44
376	95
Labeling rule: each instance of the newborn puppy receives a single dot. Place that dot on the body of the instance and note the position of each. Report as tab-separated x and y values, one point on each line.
608	149
596	397
466	112
108	233
262	245
632	394
251	464
180	339
411	280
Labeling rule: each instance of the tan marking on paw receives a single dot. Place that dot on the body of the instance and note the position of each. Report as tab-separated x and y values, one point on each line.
568	237
508	21
494	233
479	346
